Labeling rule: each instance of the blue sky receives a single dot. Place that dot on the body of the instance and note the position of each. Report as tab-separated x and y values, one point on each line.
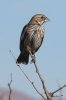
51	58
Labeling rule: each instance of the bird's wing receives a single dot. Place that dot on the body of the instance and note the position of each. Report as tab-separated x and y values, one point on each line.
22	37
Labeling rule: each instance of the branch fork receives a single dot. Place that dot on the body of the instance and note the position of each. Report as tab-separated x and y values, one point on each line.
48	95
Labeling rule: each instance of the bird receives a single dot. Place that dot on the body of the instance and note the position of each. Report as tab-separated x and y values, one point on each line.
31	38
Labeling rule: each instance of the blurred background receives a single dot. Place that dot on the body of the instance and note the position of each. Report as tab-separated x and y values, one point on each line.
51	57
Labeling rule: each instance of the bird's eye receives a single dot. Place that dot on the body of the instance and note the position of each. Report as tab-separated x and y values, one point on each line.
42	17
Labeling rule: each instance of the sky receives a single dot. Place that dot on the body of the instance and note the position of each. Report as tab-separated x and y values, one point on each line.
51	57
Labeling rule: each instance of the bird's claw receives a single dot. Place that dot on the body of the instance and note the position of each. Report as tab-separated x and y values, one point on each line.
33	59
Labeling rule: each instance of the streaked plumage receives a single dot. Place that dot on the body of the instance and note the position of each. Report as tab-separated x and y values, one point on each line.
31	37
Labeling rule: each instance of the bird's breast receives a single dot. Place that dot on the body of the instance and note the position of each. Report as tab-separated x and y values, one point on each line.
41	31
35	29
37	39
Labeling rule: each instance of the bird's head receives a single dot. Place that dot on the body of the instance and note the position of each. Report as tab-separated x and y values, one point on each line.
38	19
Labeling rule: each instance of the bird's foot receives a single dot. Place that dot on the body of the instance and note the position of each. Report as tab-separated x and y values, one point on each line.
32	56
33	59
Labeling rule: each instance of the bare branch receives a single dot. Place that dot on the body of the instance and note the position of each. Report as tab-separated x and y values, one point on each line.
52	94
60	92
32	83
12	55
10	90
40	77
49	95
58	96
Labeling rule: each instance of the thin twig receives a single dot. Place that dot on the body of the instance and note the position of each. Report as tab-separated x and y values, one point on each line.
12	55
10	90
58	90
58	96
32	83
49	95
40	77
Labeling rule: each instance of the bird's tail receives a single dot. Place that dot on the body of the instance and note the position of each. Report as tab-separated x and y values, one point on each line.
23	58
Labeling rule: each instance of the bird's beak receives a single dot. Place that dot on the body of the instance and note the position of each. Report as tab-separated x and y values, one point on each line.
47	19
